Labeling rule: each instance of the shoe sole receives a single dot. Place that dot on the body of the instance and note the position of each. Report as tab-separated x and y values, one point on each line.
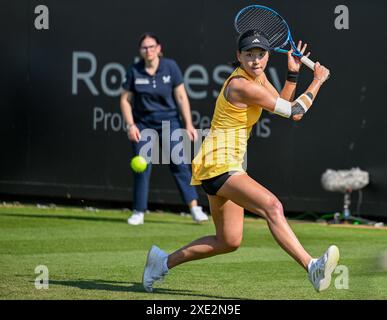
331	264
147	265
200	221
135	224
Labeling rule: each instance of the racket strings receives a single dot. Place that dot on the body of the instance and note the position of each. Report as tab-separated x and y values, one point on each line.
266	22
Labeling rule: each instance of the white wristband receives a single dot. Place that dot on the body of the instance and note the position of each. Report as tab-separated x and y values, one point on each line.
283	108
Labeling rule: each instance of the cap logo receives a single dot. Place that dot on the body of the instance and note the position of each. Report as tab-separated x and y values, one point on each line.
256	40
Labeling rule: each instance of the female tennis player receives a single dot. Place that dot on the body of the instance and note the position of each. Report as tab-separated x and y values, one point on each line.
218	166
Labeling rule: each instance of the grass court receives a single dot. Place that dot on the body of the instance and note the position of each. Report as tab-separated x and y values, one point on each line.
97	255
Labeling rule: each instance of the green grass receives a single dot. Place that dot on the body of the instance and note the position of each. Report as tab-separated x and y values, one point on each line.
96	255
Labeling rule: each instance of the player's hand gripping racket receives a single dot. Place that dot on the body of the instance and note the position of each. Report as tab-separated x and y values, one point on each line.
272	26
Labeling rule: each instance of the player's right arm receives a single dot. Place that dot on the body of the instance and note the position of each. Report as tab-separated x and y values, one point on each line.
126	109
242	92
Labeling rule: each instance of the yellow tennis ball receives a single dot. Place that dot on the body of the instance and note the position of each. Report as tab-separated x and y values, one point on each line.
138	164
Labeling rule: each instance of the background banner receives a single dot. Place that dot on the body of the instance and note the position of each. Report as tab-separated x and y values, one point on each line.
62	133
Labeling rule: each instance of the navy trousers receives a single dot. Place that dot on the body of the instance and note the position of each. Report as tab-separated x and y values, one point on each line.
181	172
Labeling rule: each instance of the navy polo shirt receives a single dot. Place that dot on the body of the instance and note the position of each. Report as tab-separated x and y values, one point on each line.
153	96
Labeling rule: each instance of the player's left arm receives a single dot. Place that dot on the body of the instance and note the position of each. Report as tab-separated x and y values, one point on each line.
294	64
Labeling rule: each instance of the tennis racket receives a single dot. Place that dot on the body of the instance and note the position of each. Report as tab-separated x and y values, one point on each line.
272	26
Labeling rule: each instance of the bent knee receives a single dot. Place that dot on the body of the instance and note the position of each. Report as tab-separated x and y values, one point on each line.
230	245
275	210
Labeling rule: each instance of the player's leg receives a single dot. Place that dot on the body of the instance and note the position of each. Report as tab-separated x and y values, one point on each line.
249	194
228	220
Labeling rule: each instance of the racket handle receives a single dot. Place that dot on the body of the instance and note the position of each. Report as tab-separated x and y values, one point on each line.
309	63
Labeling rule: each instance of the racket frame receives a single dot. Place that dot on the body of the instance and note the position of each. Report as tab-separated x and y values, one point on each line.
305	60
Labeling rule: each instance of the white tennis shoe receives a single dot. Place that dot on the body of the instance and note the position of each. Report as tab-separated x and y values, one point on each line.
320	270
137	218
155	268
198	215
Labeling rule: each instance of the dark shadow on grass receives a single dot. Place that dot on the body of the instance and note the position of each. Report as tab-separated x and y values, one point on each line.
119	286
64	217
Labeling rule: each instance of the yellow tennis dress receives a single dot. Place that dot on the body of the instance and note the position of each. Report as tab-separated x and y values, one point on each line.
224	148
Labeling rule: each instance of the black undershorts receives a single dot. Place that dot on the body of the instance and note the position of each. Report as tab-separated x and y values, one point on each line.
211	186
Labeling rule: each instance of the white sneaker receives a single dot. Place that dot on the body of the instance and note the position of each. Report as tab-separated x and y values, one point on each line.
198	215
137	218
320	270
155	268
